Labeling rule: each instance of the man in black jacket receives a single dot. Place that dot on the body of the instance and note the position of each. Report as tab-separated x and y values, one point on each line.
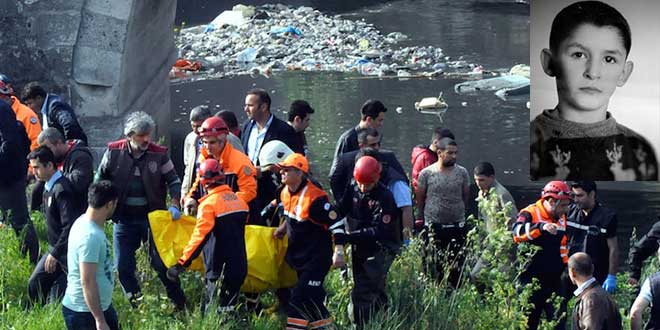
61	207
642	250
262	126
14	147
53	110
372	116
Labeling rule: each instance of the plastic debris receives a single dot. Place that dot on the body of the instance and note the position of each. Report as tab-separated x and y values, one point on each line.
399	110
248	55
227	17
432	105
510	82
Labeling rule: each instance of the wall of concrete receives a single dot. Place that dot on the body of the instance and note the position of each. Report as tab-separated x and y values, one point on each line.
107	57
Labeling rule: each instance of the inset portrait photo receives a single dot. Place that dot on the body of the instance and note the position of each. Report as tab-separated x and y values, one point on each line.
595	90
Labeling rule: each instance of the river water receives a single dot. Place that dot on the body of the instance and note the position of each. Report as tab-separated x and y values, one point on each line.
493	34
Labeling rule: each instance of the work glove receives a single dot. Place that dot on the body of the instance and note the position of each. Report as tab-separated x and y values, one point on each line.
176	214
406	242
610	283
174	271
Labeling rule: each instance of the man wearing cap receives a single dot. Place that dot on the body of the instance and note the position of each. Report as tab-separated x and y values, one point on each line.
144	174
220	234
54	111
442	191
373	223
312	224
239	171
23	114
544	224
299	116
261	127
372	115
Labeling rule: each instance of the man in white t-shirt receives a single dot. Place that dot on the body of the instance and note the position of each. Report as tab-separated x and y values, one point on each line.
87	302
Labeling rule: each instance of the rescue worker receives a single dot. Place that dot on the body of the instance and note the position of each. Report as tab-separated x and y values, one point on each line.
144	175
311	225
648	295
23	114
544	225
373	223
220	234
239	171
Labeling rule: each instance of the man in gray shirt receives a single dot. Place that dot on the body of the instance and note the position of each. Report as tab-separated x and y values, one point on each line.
442	190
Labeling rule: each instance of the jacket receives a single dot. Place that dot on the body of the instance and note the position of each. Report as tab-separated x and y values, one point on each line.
78	167
61	207
268	182
239	173
373	220
220	231
29	119
61	116
644	248
552	257
420	158
342	173
190	153
591	238
347	142
312	223
156	169
14	147
595	310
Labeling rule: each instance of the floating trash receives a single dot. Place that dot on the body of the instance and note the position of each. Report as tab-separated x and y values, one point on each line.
432	105
399	110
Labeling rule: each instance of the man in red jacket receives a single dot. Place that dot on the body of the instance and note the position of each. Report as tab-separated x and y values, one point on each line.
422	156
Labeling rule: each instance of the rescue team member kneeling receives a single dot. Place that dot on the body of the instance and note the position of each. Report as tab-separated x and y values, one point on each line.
374	234
311	224
220	234
544	224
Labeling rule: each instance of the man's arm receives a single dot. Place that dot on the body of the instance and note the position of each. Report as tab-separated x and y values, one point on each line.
64	117
102	172
636	311
82	170
643	249
613	246
69	211
91	293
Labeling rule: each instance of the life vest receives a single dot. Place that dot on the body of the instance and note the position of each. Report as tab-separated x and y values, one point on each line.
540	215
296	206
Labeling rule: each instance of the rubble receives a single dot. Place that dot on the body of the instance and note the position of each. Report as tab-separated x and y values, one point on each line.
271	38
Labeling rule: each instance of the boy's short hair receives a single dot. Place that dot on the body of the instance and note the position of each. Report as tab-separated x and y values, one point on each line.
299	108
101	193
43	155
588	12
33	90
484	168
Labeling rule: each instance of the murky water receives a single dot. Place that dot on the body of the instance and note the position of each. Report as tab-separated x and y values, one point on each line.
494	34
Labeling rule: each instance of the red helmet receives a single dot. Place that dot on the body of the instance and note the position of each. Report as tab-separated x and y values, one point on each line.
556	190
213	126
367	170
210	171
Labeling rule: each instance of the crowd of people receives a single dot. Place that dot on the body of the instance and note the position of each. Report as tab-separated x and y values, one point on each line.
259	174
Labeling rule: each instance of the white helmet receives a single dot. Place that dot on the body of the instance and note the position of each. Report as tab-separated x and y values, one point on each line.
273	152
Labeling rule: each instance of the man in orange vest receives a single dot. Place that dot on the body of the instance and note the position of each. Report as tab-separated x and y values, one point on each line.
311	224
220	234
238	170
23	114
544	225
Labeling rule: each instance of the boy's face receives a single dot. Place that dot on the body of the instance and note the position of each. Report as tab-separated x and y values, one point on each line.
589	65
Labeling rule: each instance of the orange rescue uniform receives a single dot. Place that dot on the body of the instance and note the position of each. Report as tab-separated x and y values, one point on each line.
29	119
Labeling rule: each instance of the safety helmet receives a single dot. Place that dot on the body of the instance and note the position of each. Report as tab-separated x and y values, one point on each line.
213	126
4	85
273	152
297	161
556	190
210	171
367	170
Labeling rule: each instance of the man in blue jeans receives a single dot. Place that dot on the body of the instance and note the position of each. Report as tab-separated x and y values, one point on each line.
144	174
87	302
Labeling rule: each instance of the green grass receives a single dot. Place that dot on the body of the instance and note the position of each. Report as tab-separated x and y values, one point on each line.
416	301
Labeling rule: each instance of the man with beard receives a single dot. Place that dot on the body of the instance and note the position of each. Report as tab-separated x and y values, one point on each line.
442	190
144	174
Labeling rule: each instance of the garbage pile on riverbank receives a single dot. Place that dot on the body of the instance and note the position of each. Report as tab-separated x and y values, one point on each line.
264	39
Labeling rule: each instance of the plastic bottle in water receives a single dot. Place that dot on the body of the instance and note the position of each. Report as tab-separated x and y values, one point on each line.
247	55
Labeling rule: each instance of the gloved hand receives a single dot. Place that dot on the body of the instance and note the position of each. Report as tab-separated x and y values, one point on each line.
610	283
176	214
406	242
173	272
